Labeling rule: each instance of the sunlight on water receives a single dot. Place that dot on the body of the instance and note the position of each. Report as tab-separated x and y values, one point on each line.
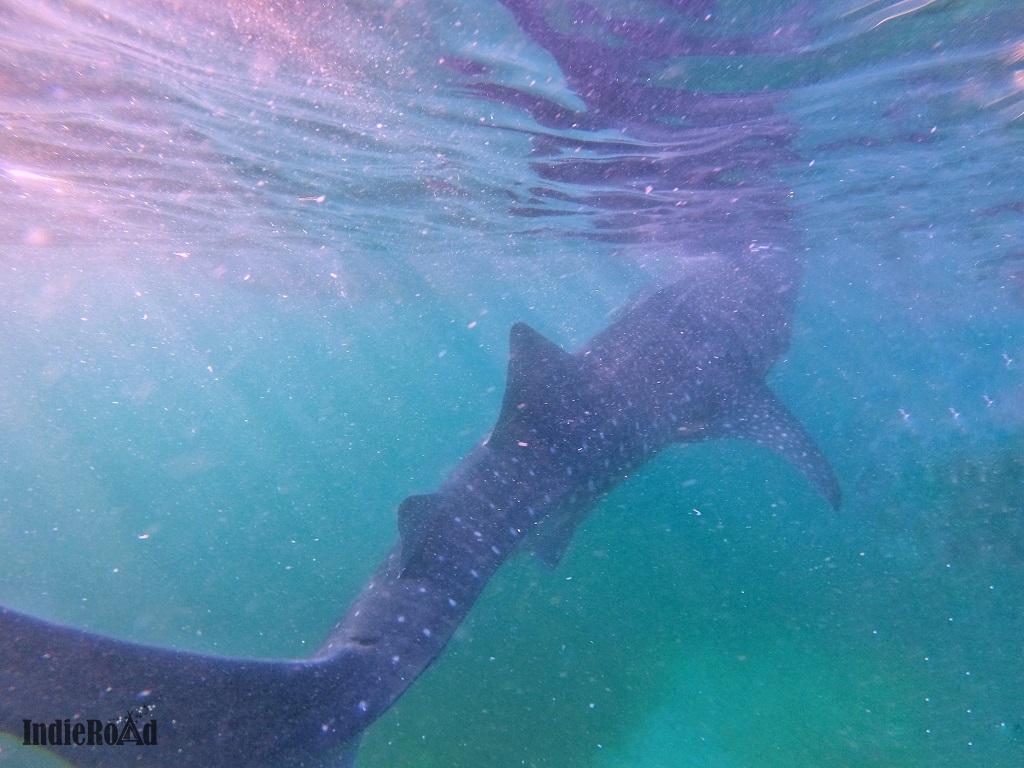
259	270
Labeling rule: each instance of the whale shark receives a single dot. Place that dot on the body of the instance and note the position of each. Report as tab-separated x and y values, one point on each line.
685	361
682	363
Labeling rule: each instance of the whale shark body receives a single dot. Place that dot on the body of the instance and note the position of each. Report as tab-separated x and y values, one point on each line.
681	364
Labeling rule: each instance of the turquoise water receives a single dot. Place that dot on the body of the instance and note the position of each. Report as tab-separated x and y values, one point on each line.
258	275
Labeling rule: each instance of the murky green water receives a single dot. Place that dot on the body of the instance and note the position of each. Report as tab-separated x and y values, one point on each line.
216	387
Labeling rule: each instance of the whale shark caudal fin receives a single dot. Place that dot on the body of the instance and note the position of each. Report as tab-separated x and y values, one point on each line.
210	711
756	414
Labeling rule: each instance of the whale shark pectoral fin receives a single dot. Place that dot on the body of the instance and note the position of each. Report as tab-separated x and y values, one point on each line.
552	540
759	416
537	368
346	755
415	515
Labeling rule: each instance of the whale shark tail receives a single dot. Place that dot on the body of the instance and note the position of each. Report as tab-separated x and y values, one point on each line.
74	693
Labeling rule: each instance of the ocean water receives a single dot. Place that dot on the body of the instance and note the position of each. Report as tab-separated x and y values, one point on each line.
258	264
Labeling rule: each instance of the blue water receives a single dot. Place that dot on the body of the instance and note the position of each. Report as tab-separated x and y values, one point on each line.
258	270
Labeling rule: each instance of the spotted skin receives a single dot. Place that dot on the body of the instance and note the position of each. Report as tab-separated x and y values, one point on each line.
682	364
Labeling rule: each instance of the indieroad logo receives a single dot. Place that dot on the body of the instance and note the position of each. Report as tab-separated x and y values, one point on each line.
92	733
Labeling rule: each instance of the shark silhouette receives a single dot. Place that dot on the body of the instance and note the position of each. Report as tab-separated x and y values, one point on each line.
682	363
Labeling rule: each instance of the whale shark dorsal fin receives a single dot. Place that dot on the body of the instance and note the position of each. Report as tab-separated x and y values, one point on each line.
528	345
759	416
415	514
537	368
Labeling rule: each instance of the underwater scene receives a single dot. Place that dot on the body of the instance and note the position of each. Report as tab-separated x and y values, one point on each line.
261	269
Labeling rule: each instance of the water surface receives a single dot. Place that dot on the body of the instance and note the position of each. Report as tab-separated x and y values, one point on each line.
258	269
